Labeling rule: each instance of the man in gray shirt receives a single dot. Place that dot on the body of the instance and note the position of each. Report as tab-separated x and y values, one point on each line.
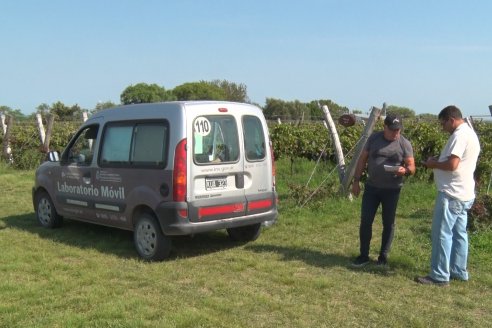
388	157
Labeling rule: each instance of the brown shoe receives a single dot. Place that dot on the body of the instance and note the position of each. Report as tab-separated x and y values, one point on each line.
427	280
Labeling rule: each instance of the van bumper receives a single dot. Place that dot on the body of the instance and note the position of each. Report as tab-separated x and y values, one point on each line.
173	224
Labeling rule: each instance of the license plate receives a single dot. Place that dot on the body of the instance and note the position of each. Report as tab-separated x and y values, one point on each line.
215	183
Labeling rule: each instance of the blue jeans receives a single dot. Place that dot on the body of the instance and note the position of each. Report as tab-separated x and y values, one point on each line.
449	238
371	199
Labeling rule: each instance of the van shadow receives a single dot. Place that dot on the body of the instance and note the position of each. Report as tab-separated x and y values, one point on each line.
115	241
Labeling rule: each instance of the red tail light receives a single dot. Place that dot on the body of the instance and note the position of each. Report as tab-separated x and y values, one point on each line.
259	204
179	175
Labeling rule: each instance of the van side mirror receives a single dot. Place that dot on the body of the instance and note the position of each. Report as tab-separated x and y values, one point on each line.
53	156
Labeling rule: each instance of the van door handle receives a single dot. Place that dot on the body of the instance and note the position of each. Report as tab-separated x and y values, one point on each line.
239	180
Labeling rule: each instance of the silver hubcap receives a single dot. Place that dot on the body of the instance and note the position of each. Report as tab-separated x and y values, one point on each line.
44	211
146	237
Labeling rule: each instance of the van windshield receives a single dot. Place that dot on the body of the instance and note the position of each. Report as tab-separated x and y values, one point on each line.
215	139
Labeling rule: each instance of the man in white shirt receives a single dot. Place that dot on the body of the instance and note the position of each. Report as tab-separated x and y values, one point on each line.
453	175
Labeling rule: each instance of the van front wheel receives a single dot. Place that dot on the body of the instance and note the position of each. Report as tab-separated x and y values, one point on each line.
246	233
150	242
46	211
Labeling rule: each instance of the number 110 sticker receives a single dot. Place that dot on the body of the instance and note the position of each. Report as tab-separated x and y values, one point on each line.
202	126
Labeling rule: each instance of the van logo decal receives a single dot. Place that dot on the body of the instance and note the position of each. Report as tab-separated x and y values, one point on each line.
105	176
91	191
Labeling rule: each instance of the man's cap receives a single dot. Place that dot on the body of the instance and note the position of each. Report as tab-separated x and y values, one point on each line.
393	122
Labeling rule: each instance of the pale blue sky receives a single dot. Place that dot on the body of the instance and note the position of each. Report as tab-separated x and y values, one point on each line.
418	54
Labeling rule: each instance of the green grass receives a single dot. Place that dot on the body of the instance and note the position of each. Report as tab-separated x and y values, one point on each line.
296	274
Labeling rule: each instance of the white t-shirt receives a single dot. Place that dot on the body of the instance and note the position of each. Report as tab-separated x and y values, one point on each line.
459	183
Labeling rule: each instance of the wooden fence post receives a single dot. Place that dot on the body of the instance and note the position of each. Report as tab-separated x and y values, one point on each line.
349	173
7	151
42	134
2	122
336	142
49	131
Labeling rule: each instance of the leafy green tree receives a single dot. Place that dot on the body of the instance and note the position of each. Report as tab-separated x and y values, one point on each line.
287	110
300	110
145	93
233	91
335	109
427	117
15	113
103	105
199	91
274	109
402	111
43	108
66	113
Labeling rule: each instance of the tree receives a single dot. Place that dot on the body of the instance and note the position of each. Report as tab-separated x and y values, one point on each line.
63	112
15	113
335	109
43	108
199	91
274	108
233	91
427	117
402	111
145	93
286	110
103	105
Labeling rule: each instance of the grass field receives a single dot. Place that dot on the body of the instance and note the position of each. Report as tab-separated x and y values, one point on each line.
297	273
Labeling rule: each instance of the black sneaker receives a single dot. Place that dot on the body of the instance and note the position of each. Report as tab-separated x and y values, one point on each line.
382	260
360	261
427	280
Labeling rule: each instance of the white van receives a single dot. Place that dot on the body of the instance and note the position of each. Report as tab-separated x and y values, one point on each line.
164	169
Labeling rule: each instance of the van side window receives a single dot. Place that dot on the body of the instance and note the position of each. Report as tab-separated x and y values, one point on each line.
254	138
149	144
81	152
135	144
116	144
215	139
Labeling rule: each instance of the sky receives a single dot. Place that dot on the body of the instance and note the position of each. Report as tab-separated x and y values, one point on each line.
421	54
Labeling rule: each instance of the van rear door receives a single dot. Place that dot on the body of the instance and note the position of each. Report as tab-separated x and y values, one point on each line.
216	188
258	164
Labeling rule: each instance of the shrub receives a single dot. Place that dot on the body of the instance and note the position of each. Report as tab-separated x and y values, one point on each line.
479	217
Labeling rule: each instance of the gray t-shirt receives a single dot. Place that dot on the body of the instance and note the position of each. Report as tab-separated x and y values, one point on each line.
384	152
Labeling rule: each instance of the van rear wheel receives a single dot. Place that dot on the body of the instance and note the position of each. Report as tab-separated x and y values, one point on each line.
46	211
150	242
246	233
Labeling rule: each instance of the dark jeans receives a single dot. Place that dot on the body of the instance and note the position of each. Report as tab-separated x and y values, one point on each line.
372	198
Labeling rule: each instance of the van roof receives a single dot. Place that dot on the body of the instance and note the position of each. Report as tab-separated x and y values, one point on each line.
153	110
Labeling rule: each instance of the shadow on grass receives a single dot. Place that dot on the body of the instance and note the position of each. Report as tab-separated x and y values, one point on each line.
308	256
115	241
323	260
